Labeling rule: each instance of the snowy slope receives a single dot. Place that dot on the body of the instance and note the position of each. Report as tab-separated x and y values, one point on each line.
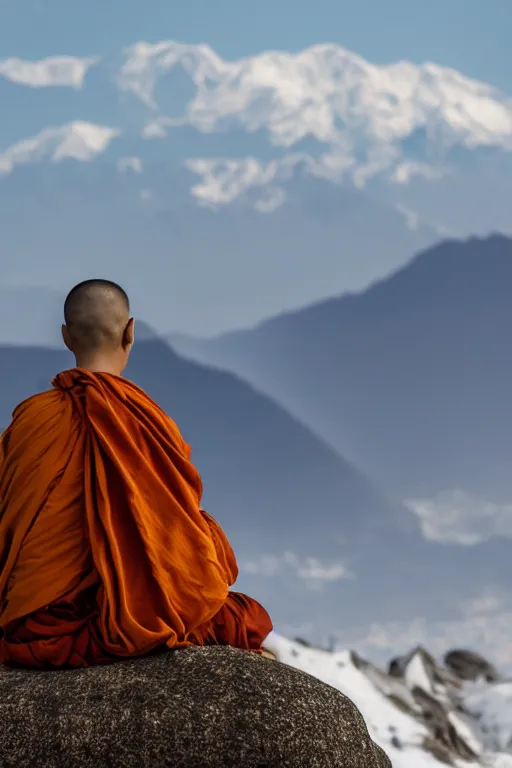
397	721
492	706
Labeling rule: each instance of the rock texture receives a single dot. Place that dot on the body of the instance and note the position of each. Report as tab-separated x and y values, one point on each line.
467	665
197	708
436	694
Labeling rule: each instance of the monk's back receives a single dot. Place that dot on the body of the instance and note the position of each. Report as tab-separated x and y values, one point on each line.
105	551
42	505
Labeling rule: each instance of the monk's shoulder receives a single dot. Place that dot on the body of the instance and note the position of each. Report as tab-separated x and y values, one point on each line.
35	405
141	397
28	419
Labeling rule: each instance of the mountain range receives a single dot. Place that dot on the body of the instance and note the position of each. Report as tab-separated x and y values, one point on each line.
410	379
247	187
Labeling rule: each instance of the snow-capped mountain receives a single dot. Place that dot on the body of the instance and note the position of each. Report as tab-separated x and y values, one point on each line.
242	167
324	92
420	713
351	120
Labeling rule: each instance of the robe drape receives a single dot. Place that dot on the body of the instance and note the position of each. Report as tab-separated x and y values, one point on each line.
105	552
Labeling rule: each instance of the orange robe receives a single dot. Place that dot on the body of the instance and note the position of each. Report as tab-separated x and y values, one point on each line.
105	552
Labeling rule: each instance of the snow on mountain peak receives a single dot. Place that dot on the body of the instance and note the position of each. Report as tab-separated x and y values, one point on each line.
355	116
146	62
324	110
323	92
79	140
420	714
53	71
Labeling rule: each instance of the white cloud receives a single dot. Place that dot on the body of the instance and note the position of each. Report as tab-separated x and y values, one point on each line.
324	92
79	140
54	71
271	199
483	624
487	602
155	130
311	571
146	62
458	518
224	179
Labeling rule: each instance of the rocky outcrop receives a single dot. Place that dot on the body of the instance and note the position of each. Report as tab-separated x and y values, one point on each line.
195	708
470	666
436	694
445	741
419	711
437	674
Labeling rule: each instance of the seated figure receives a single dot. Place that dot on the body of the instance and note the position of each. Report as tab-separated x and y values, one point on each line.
105	551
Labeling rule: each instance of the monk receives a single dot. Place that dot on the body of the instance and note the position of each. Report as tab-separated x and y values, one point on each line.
105	551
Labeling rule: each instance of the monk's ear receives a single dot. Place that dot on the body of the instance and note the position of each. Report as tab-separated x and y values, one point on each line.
129	333
67	338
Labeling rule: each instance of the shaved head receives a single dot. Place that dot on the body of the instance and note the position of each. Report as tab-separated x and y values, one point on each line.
96	313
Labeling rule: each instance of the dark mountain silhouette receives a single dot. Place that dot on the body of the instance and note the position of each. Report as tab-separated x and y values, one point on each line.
411	379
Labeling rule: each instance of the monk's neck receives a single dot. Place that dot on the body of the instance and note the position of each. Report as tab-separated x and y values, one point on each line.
101	364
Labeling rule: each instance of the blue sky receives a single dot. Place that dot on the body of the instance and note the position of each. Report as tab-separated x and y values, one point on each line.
470	35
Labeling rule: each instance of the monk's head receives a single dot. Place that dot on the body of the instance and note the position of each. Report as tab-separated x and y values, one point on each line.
98	328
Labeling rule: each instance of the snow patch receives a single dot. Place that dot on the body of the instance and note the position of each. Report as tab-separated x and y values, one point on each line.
492	705
311	571
398	733
398	729
416	675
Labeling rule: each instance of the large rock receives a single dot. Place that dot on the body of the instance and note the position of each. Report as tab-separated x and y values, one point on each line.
468	665
196	708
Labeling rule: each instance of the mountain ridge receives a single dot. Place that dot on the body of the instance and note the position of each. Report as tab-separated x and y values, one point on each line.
423	341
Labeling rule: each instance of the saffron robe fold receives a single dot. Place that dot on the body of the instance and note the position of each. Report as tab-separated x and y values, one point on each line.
105	551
